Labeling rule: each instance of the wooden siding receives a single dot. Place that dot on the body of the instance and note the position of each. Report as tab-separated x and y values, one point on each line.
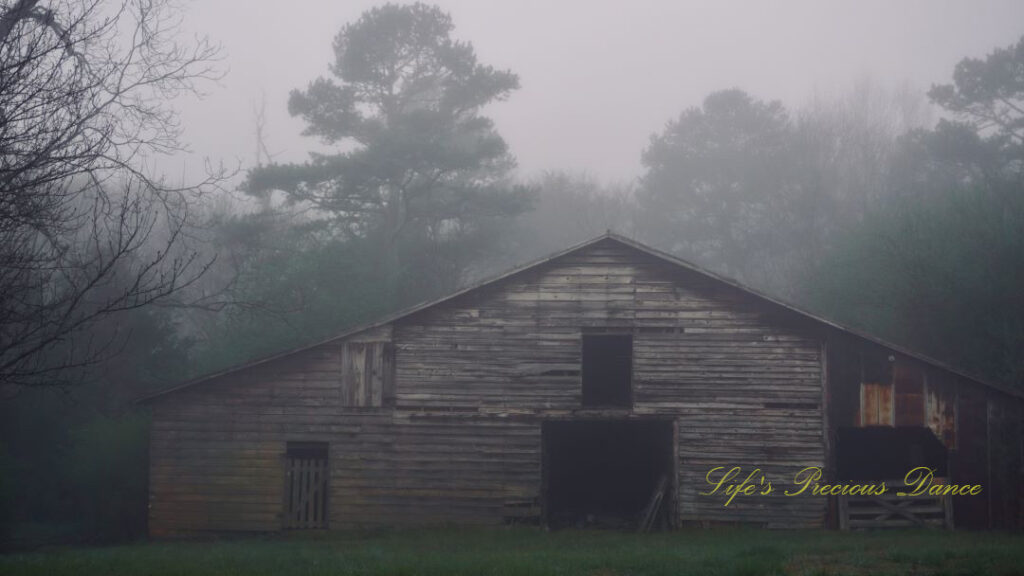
218	452
437	416
744	385
367	374
1006	469
876	404
475	378
970	463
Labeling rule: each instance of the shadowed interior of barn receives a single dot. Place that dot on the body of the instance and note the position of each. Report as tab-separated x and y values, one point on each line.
605	472
884	453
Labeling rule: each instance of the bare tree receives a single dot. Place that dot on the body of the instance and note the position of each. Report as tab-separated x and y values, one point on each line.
86	230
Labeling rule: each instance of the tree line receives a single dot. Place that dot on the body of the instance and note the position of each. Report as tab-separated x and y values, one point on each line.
115	282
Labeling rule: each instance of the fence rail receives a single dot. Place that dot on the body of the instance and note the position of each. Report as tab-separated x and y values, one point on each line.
892	511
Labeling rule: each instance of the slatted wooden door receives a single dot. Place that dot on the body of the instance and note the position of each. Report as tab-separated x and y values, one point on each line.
305	496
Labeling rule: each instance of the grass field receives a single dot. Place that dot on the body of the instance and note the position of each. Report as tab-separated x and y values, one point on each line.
534	552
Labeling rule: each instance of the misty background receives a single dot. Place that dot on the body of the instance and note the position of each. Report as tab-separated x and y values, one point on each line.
598	78
272	177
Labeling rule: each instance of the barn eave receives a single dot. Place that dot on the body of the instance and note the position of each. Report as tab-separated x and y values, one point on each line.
622	240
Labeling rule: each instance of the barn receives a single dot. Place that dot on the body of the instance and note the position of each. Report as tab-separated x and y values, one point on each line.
609	384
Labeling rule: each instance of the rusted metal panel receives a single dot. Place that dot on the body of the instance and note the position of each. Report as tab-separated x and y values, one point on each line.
876	400
940	408
876	391
908	390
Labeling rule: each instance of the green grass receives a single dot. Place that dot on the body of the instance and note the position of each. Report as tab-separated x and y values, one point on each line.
524	551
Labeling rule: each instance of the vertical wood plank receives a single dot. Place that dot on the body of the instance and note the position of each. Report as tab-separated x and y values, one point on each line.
376	375
908	394
868	404
318	494
947	506
321	493
296	478
306	481
825	405
321	520
297	505
887	405
387	374
358	352
306	492
314	493
346	376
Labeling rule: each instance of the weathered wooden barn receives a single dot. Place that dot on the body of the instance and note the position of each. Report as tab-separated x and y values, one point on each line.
603	382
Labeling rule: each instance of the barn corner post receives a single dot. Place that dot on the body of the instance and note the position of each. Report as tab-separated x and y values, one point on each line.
826	434
676	510
286	482
543	473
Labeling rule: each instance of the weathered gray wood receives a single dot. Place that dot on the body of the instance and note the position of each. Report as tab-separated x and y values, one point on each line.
654	506
472	380
892	511
437	417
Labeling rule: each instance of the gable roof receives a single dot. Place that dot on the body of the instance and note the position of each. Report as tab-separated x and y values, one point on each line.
622	240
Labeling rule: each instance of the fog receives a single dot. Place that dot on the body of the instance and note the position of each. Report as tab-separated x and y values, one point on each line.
862	161
598	78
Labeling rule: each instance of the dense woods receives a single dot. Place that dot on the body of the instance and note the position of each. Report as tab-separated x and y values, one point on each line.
898	213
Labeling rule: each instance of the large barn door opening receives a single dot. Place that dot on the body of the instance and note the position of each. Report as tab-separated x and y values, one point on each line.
305	498
609	473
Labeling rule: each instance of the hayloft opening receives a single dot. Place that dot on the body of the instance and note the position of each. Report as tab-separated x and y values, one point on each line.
607	370
608	473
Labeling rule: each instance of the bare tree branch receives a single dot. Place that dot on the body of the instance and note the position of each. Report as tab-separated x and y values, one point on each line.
87	231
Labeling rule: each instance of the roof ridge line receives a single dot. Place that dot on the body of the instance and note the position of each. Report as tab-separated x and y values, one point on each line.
609	234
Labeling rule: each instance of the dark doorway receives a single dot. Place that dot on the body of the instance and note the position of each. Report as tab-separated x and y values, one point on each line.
886	453
607	370
606	473
305	497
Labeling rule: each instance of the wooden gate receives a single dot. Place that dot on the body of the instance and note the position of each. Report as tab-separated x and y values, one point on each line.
305	498
892	511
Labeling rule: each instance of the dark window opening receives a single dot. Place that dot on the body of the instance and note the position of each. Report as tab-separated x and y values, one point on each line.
886	453
607	370
305	497
608	474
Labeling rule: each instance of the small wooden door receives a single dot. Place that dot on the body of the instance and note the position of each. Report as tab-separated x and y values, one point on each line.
305	498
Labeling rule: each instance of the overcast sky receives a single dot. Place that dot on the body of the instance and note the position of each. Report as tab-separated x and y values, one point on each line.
598	78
